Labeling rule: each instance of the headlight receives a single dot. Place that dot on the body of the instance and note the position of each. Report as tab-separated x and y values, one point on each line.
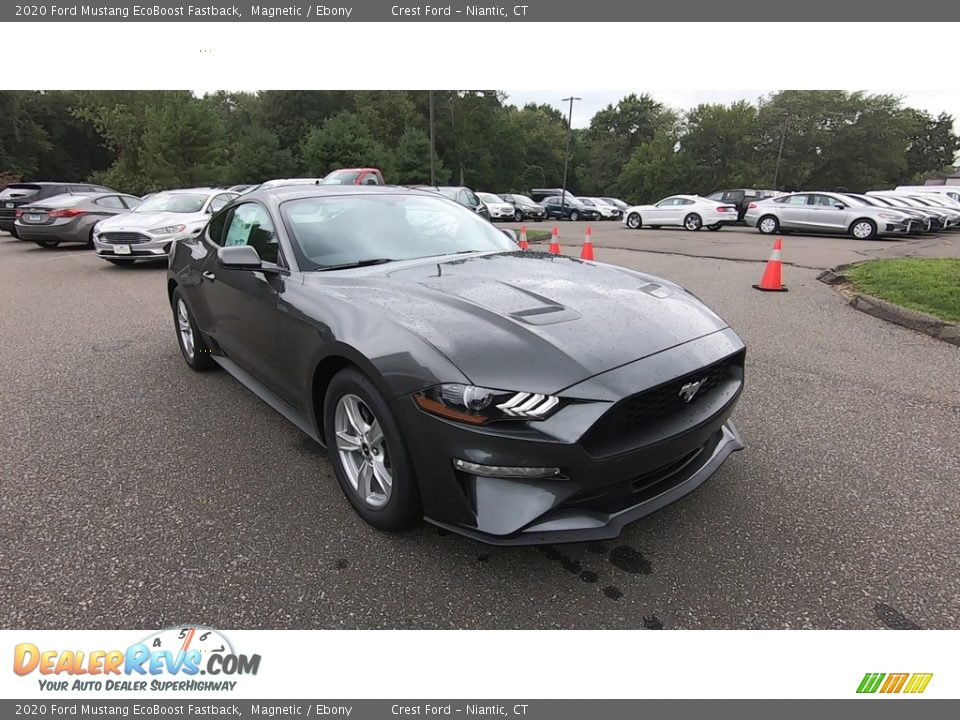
478	406
891	216
168	230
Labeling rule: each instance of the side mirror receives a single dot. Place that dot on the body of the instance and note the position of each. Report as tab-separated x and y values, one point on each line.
509	233
239	256
840	206
196	231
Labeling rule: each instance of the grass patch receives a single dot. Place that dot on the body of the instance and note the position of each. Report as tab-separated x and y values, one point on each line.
537	235
930	285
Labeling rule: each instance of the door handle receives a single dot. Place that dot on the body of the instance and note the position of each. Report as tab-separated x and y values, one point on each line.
209	275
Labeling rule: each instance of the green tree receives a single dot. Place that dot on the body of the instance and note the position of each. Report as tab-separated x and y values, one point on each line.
342	141
410	163
719	146
614	133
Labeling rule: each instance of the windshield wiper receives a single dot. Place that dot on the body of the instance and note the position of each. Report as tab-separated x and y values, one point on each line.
358	264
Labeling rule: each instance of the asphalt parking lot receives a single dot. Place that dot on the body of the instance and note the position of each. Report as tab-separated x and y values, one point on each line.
137	493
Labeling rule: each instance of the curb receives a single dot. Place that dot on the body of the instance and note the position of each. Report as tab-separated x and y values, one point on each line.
913	319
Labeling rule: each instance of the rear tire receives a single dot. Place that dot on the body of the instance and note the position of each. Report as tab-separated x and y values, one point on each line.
193	347
13	231
634	221
692	222
367	450
768	225
49	244
714	227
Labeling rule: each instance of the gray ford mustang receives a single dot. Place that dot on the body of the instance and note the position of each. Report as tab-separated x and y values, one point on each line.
512	396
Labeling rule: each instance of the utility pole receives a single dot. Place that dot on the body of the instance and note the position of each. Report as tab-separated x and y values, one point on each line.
433	163
566	157
783	136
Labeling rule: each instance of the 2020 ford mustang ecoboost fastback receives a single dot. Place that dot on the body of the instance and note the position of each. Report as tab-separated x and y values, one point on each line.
516	397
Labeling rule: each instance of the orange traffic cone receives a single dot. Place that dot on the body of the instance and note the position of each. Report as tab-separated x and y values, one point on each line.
587	252
524	245
555	242
771	282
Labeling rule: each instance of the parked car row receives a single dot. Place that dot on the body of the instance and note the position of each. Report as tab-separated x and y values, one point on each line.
862	216
555	204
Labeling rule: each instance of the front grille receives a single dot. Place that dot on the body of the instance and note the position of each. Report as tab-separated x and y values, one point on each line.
124	237
626	493
640	418
8	213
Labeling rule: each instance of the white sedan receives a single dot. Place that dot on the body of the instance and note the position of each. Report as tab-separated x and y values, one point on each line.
688	211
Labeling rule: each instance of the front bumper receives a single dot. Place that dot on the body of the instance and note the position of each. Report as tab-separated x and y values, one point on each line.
897	228
152	249
605	484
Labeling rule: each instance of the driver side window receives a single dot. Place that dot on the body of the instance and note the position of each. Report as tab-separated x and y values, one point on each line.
250	224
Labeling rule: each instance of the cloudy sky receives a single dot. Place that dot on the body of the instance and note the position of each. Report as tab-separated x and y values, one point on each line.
933	102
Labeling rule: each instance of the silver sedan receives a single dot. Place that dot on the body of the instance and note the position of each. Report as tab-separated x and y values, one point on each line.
825	212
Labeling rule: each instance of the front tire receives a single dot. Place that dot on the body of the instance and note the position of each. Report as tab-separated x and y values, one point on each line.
193	347
634	221
863	229
368	453
120	262
692	222
574	216
517	216
714	228
768	225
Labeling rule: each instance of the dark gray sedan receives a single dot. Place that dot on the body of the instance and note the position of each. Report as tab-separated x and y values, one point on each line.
69	218
515	397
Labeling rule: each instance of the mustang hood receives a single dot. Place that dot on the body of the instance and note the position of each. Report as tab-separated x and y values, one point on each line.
149	220
504	318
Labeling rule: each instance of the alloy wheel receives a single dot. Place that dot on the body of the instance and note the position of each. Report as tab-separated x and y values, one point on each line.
185	328
363	452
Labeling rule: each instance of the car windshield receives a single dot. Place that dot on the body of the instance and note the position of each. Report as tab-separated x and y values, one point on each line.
489	197
854	200
173	203
341	177
523	200
343	230
448	192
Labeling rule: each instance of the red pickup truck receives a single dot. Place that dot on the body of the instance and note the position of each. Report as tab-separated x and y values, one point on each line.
354	176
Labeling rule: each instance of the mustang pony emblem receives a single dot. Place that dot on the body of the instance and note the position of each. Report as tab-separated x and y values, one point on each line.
689	390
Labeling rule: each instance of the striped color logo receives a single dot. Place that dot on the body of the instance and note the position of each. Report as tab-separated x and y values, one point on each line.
887	683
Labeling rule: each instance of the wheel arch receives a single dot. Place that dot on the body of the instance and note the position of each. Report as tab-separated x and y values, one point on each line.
338	358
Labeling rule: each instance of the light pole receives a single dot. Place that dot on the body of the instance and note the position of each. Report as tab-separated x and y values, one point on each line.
783	136
433	164
566	157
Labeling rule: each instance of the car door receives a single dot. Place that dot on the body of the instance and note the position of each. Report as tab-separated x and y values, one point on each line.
665	212
243	302
824	214
792	212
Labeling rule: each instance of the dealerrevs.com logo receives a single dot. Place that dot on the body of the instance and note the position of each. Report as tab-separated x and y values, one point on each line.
172	659
893	683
